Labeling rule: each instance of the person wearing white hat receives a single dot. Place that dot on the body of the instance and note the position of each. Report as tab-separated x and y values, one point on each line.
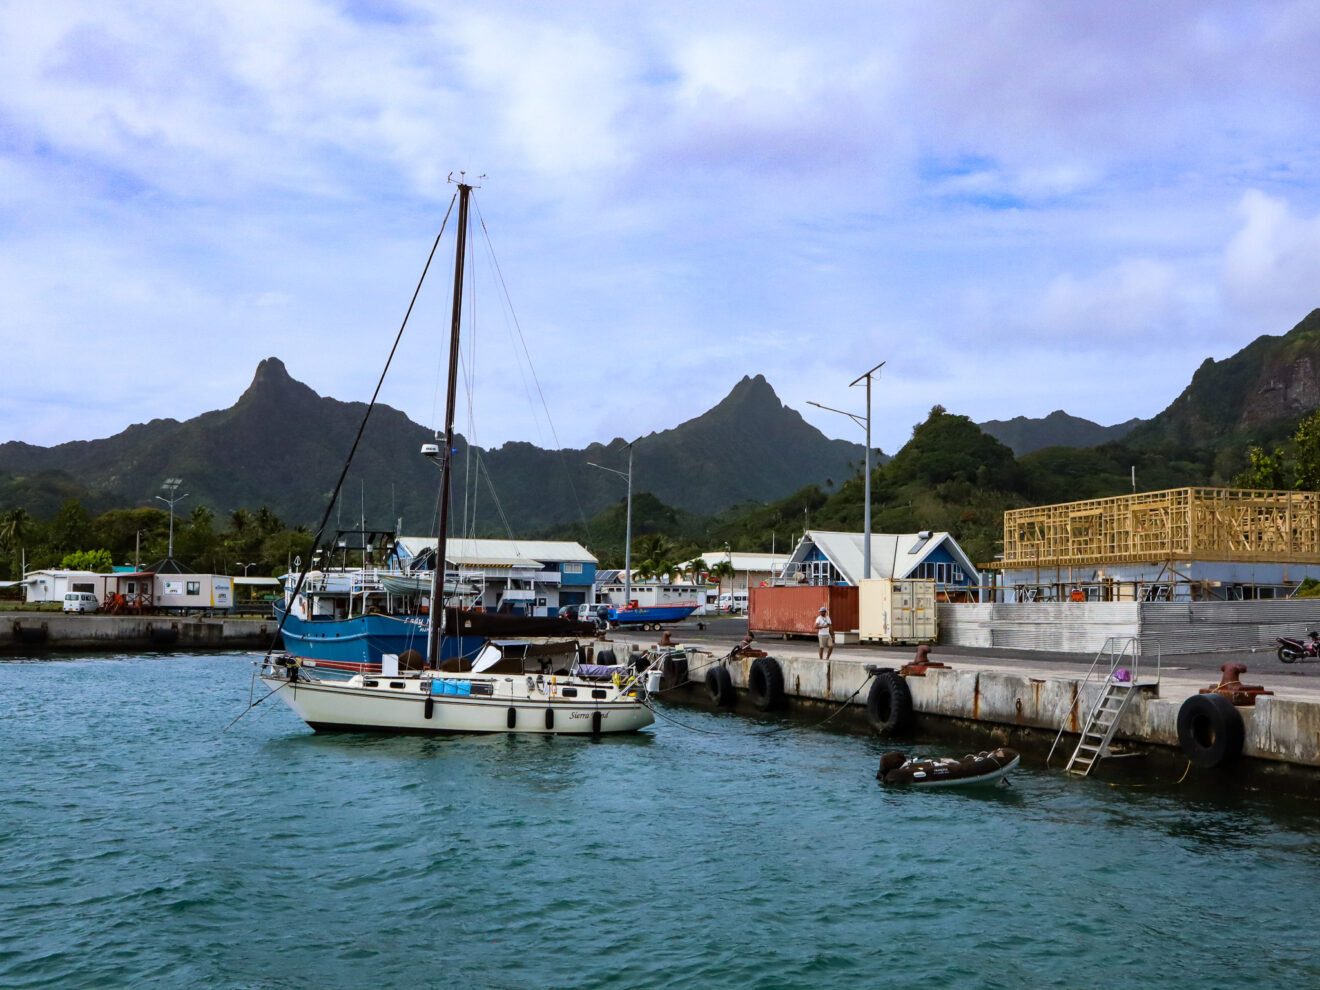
825	633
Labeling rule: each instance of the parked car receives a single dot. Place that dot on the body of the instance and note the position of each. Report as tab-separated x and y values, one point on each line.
80	601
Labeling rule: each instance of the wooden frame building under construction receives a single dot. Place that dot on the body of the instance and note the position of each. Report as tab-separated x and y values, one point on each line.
1183	544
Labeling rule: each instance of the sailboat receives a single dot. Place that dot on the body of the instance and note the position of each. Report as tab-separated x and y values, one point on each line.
543	686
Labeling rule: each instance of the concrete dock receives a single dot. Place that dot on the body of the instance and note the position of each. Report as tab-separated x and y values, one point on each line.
1020	692
26	633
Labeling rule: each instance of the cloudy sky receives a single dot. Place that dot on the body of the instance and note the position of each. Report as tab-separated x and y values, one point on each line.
1020	206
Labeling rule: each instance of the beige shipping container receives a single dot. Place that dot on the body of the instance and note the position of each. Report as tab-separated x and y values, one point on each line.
893	610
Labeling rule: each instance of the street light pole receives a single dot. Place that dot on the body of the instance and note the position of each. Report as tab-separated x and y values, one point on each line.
627	532
865	423
171	485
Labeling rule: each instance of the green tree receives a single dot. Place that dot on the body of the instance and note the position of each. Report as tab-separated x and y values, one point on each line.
13	526
99	561
723	569
1266	471
1306	467
693	570
196	539
279	549
71	525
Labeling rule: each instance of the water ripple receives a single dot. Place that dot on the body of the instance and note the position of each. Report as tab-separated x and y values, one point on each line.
146	848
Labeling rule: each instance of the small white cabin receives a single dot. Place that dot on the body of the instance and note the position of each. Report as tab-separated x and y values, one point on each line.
53	584
194	591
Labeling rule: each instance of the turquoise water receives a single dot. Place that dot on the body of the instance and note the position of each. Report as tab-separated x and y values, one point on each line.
143	847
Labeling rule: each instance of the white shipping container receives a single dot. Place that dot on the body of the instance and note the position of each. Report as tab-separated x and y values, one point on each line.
896	611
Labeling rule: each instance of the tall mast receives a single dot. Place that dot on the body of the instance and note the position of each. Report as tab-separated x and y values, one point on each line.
447	457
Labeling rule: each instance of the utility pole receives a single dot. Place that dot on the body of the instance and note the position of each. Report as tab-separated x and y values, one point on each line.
627	531
865	423
171	485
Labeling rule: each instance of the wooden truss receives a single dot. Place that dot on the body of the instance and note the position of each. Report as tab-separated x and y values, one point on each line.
1178	524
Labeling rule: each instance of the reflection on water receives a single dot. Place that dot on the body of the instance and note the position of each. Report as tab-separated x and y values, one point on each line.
146	847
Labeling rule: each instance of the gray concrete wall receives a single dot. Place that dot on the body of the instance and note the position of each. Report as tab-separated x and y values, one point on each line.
24	631
1071	627
1171	628
1276	729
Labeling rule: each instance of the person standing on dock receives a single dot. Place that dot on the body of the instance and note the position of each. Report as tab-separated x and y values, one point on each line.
825	633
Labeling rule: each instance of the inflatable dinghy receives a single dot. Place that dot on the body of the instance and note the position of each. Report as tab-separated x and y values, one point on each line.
981	768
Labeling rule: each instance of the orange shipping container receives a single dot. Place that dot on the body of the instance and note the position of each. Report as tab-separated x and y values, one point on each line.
794	609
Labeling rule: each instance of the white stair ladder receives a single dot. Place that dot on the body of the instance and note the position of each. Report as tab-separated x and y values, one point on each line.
1115	695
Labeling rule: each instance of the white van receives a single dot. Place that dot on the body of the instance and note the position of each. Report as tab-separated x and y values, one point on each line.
80	601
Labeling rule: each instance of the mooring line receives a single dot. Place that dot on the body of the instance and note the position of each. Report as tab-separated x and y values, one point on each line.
253	704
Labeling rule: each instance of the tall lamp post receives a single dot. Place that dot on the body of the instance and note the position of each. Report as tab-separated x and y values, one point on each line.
865	423
627	532
171	485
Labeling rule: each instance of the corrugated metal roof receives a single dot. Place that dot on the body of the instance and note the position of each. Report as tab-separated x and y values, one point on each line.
773	562
531	551
892	554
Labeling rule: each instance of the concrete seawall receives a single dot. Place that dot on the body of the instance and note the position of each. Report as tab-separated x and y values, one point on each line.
1284	727
28	632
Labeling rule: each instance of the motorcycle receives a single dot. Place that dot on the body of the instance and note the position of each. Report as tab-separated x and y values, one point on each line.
1295	650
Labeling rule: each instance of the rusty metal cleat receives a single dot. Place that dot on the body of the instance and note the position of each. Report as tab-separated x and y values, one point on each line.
923	663
1231	687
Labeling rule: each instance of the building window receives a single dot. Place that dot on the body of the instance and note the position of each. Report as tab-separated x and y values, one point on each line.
194	587
572	568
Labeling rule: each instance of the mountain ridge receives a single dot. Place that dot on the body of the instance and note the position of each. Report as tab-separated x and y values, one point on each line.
704	464
1059	429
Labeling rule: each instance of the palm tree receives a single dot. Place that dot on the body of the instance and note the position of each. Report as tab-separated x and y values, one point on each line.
693	569
723	569
13	526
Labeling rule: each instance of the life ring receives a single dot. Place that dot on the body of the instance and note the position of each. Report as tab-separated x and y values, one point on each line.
1210	730
765	684
719	685
889	704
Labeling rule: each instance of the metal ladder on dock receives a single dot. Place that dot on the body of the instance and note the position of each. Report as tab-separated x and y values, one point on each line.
1115	694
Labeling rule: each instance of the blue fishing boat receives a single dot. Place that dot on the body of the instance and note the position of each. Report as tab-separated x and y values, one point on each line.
346	618
650	616
356	643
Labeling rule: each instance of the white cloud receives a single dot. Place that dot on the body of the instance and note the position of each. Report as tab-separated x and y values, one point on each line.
1121	302
739	187
1271	267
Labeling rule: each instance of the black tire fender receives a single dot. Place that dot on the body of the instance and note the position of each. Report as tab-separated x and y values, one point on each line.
1210	730
889	704
673	672
765	684
719	685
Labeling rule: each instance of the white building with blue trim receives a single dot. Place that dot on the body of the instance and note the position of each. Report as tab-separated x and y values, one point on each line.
824	558
531	577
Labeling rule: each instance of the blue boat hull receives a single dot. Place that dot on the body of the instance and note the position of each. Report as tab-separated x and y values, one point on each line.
651	613
363	638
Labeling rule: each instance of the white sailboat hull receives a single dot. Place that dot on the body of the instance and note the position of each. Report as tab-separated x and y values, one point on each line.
516	704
